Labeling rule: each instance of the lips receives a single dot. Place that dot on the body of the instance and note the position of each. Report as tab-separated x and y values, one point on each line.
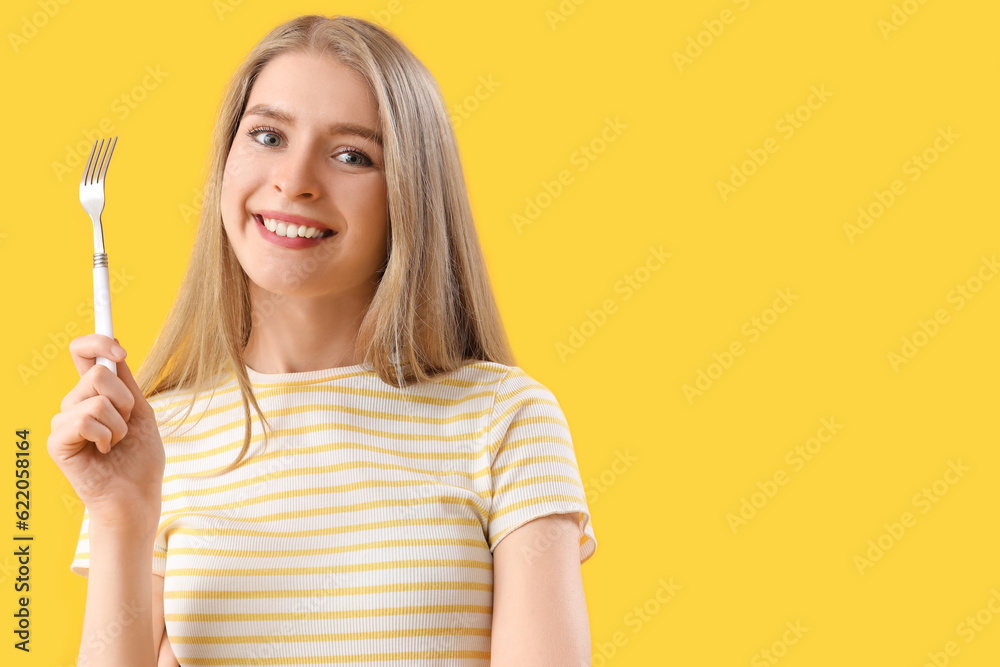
277	231
292	219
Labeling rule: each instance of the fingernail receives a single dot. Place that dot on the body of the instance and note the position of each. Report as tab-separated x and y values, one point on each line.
118	350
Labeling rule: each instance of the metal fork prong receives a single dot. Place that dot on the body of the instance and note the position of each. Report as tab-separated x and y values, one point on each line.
96	167
90	161
98	160
107	160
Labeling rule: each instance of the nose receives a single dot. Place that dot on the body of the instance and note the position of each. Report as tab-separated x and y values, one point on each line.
294	176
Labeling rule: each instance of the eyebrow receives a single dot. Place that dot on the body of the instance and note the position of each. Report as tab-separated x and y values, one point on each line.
334	128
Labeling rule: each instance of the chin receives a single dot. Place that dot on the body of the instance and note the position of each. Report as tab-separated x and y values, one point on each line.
283	285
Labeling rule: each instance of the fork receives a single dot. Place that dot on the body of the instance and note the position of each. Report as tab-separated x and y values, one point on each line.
92	199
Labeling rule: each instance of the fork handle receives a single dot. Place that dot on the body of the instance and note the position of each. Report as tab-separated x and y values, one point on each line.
102	304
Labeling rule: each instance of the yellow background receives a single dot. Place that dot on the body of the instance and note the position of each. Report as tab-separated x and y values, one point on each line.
663	518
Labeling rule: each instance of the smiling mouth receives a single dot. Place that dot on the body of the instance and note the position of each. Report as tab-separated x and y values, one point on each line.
291	230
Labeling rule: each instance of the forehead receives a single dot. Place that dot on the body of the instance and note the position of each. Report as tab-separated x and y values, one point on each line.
314	87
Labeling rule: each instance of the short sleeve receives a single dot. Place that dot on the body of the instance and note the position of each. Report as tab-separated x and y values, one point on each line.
81	559
533	464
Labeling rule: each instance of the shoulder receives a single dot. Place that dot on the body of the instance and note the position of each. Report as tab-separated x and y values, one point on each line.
504	380
520	394
507	388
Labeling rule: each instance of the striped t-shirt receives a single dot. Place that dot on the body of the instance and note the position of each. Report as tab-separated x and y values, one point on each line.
364	533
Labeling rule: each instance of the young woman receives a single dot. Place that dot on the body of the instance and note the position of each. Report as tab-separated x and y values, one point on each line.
400	492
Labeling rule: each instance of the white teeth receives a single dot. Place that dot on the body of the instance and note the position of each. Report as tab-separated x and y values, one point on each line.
289	230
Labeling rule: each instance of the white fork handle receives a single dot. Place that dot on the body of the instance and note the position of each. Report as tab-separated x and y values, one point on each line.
102	311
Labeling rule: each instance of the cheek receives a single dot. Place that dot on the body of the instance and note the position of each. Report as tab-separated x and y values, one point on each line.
376	217
233	193
371	202
231	165
363	203
240	172
228	182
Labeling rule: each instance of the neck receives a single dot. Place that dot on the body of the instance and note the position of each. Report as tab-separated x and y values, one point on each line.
291	334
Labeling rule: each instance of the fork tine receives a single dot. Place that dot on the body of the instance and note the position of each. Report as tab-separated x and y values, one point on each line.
90	161
107	160
97	163
96	167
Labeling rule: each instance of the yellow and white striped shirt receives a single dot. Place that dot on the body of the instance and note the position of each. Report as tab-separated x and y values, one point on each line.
364	532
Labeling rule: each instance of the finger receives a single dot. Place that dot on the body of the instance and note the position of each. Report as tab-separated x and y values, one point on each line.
99	380
85	349
94	431
64	440
100	410
72	432
125	375
140	403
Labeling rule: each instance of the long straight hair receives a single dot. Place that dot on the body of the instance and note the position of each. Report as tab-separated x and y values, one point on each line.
433	310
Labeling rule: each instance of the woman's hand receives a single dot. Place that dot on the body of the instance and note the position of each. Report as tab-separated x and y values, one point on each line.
106	441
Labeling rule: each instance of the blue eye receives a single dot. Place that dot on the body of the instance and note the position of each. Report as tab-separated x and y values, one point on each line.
364	160
269	134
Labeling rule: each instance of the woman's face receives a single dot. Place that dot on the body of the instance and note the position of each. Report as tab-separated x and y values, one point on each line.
298	159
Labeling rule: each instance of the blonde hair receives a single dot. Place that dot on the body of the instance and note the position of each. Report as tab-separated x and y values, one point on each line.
433	310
